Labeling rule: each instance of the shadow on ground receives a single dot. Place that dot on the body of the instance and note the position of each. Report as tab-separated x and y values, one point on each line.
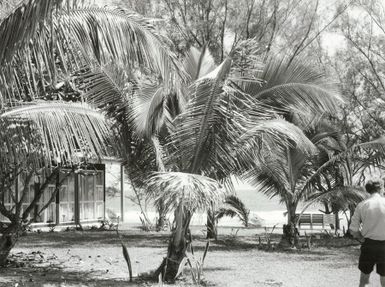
55	277
72	238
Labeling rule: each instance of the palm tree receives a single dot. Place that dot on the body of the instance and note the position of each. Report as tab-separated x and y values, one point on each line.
221	132
47	118
218	133
339	179
285	171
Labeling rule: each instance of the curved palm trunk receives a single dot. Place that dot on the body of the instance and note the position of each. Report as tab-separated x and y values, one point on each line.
177	247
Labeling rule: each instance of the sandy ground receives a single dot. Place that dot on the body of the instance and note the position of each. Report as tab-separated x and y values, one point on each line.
94	258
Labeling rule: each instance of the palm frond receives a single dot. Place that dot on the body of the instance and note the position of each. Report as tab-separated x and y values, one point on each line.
68	131
280	131
17	29
193	128
294	87
269	177
340	197
191	190
377	144
120	35
148	109
198	63
108	88
222	212
235	207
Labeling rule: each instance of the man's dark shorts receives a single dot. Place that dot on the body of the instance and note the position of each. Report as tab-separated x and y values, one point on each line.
372	253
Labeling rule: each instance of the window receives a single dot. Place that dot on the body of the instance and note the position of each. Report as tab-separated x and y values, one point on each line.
67	200
48	215
91	195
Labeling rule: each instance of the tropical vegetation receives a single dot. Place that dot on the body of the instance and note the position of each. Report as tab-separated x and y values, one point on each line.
183	110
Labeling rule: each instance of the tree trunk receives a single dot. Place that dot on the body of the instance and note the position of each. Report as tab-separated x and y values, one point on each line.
290	231
337	221
7	242
161	223
211	226
177	246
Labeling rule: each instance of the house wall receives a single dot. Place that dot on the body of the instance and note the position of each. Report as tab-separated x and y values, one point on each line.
81	198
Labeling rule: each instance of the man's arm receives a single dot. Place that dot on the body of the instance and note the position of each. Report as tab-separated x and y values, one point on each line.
355	223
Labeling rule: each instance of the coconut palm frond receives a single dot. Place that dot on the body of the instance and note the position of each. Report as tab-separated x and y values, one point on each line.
108	88
198	63
119	34
377	145
339	197
148	108
193	130
247	61
90	38
280	131
67	131
191	190
17	29
270	176
235	208
222	212
295	87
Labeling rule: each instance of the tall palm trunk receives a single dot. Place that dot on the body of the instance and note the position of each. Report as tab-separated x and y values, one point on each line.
177	245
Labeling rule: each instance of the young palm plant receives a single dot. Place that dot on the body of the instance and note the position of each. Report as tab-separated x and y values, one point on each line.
338	180
285	171
234	207
220	132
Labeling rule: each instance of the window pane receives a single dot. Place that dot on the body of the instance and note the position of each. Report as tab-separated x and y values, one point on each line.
99	210
48	194
89	211
51	213
63	195
99	192
90	188
99	178
71	188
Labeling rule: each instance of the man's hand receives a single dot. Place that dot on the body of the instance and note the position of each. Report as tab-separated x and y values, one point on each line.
357	235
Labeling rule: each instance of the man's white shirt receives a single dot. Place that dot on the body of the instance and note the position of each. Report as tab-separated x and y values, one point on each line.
369	217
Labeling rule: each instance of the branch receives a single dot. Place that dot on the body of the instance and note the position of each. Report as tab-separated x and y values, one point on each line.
52	198
39	193
297	50
326	26
25	191
369	60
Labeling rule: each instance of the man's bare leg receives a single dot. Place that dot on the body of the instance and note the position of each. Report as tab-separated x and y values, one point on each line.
364	280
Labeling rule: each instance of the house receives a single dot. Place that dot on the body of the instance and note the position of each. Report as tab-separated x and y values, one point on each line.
80	199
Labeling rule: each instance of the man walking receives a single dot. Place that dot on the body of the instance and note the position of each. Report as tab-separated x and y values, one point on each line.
368	223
